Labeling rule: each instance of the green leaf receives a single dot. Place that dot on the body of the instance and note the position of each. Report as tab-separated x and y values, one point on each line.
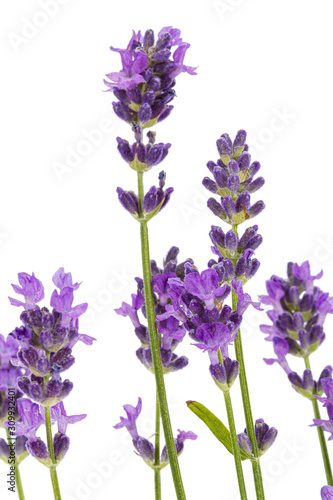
215	425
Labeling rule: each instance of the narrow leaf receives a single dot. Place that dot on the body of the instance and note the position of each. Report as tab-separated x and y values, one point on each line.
215	425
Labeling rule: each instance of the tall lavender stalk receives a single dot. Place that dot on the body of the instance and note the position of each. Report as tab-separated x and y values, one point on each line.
44	351
234	182
144	88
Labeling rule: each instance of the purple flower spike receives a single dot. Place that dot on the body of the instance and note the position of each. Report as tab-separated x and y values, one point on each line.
32	290
327	493
144	86
130	422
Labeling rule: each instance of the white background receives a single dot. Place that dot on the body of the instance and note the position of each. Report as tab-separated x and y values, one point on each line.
257	61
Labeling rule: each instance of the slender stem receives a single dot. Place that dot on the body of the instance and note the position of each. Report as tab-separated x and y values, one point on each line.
157	472
155	351
18	479
53	470
235	447
247	405
321	436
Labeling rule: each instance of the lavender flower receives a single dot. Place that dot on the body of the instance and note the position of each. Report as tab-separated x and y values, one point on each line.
153	201
142	157
234	254
169	328
298	314
327	425
265	437
144	85
31	289
144	448
47	338
234	181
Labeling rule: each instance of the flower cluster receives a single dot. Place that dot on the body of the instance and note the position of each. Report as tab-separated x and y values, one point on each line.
144	448
234	181
153	201
235	255
47	338
265	437
197	301
170	330
32	417
144	86
298	315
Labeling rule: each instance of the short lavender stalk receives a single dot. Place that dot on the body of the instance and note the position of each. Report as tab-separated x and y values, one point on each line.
234	444
321	437
156	357
53	470
247	405
158	494
18	480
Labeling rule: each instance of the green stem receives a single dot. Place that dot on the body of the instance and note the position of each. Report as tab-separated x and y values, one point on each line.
155	351
53	470
235	447
18	479
157	472
247	405
321	436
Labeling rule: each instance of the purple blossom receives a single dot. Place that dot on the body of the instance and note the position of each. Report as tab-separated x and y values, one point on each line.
213	336
281	349
132	311
298	314
31	417
327	493
32	290
178	58
303	273
327	425
58	414
133	63
234	181
205	286
182	436
130	422
144	85
64	280
327	385
62	303
265	437
244	299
